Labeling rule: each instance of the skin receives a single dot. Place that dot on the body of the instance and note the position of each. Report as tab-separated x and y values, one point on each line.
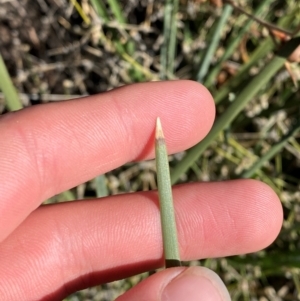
48	252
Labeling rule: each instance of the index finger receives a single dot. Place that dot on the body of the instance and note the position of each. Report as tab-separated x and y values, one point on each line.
50	148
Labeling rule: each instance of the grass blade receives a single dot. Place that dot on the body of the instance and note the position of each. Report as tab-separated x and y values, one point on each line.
264	48
169	231
242	99
172	41
81	12
166	34
261	51
275	149
100	9
116	9
101	186
214	43
234	42
13	102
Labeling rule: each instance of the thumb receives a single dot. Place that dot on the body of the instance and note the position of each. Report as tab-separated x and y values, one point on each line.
177	284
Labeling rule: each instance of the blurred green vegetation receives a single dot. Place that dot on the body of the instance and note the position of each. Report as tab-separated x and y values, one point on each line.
238	50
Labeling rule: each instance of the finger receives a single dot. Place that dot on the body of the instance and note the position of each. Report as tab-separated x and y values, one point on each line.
177	284
69	246
50	148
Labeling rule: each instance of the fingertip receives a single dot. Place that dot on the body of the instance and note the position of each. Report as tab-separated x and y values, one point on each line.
269	212
196	114
198	92
195	284
177	284
186	110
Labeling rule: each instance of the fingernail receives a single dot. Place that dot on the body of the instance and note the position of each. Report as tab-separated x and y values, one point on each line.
196	284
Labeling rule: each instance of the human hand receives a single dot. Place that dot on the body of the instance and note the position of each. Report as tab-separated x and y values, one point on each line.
50	251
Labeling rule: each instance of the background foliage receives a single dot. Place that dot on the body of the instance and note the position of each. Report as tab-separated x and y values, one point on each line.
59	49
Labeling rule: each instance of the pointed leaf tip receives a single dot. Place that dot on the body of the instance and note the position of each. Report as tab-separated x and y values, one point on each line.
159	132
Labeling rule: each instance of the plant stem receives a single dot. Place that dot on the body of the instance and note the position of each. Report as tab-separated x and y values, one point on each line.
169	231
